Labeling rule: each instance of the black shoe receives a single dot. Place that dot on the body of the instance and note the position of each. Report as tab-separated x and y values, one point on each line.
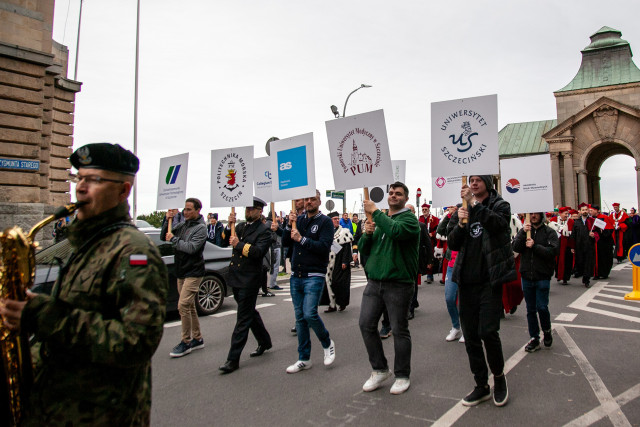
268	294
411	315
260	350
294	331
564	283
513	310
229	366
330	309
587	284
532	345
341	308
548	338
500	390
478	395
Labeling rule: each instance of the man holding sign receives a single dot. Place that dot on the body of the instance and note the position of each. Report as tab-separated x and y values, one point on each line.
484	262
391	244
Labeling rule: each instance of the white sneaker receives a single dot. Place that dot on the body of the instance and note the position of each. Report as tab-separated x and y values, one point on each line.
461	339
454	334
376	380
330	354
300	365
400	385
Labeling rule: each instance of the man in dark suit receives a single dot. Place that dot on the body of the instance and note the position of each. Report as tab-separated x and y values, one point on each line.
585	236
250	243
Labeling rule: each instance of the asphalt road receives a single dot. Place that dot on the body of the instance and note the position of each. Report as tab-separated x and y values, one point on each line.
590	376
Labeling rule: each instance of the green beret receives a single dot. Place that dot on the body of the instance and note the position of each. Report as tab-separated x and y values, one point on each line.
103	155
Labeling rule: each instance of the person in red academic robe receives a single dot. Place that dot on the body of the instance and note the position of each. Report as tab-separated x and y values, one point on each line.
563	225
619	218
604	245
431	222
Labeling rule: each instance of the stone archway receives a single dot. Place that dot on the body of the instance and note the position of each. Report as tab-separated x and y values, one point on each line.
590	164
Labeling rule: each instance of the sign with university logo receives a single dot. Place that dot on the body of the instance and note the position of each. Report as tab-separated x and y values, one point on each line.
232	177
262	178
359	151
464	137
292	168
172	182
446	190
380	194
527	184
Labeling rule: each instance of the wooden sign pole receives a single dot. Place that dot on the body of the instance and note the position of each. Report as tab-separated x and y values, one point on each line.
233	226
464	201
293	208
527	220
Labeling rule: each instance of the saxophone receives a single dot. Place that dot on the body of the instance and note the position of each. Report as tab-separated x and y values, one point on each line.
17	273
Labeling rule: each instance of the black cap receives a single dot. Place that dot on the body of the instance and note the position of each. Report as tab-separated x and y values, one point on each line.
333	214
103	155
258	203
214	215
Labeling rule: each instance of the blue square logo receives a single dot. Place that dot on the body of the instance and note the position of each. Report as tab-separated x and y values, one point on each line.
292	168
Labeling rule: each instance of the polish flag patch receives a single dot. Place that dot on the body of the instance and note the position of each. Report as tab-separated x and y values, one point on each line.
138	260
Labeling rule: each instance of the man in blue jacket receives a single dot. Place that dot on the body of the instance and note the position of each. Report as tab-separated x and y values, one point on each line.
312	239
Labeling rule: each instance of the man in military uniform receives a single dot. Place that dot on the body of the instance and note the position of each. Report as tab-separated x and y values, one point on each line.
95	334
251	242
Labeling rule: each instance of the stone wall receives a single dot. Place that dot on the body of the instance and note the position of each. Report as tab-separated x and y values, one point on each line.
36	113
570	103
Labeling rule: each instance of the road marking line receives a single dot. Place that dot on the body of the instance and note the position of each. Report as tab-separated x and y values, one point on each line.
600	328
360	285
264	305
599	413
588	295
454	414
621	266
224	313
616	291
172	324
566	317
611	314
605	398
613	304
617	298
620	286
288	299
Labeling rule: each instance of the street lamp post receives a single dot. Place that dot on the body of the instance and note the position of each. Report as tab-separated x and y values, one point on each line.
336	114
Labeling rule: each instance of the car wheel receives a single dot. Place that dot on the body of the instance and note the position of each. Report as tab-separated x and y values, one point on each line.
210	295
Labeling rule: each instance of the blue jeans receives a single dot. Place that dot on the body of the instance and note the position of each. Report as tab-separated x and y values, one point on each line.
396	297
275	267
536	296
305	293
450	297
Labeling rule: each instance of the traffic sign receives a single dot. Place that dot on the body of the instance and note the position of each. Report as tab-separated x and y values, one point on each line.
418	192
634	255
330	205
335	194
634	258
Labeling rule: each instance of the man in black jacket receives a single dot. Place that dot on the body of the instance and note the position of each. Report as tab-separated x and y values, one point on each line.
537	264
250	243
484	262
188	238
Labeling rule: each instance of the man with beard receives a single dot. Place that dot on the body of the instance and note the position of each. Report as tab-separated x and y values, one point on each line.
604	245
619	218
585	239
312	241
538	254
336	293
484	262
391	243
251	242
563	225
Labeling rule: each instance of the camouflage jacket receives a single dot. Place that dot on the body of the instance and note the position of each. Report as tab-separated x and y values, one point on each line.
96	333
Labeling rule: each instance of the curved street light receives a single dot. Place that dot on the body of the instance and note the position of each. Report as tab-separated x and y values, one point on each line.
335	110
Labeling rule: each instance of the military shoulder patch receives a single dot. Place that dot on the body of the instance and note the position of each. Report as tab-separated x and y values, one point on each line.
138	259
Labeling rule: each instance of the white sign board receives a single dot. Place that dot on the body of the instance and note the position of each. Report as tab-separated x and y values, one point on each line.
293	168
262	178
359	151
464	136
172	182
445	191
526	183
232	177
381	193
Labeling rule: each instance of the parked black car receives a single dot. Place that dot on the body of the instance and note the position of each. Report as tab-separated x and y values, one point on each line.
211	294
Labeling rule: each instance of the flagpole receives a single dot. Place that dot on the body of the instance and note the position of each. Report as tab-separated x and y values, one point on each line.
135	113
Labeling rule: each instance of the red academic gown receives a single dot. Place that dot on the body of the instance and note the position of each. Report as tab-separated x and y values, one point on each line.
564	259
432	225
619	226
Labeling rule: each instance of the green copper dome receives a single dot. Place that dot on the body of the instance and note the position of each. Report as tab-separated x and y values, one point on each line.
605	62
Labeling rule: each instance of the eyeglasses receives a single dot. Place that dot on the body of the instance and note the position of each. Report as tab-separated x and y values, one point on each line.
93	179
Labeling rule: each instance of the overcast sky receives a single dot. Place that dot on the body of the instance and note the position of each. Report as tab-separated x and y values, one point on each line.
216	74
